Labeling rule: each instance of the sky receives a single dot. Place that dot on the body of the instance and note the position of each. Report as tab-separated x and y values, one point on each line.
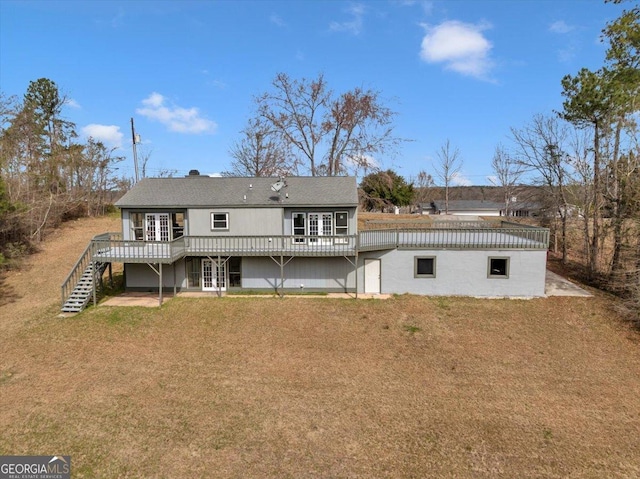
466	71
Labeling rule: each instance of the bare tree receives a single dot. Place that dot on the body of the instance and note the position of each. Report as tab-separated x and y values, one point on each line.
507	174
261	153
423	183
447	168
143	157
541	147
330	135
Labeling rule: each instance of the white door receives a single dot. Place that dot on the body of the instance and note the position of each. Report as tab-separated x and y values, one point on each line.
157	227
214	278
320	224
372	276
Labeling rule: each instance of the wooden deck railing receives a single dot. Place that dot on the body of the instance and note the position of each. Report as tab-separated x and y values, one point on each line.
111	246
455	238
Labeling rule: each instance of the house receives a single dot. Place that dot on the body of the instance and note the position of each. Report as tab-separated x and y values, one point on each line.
200	233
480	208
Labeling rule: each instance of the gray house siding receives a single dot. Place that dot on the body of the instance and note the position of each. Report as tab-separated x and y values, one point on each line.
259	273
459	273
301	274
242	221
140	277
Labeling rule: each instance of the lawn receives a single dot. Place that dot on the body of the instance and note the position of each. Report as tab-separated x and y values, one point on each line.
317	387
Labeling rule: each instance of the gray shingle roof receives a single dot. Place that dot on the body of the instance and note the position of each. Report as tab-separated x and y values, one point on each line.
205	191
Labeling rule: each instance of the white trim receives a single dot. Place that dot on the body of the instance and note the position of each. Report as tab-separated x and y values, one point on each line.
213	221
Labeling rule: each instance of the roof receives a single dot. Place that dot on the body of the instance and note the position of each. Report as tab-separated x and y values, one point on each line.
469	205
206	191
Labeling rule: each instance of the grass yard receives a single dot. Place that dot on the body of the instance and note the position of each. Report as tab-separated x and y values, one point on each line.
318	387
313	387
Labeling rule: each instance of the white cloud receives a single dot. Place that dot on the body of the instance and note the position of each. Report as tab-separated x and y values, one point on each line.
460	46
73	104
277	20
458	180
427	5
561	27
352	26
568	52
110	135
175	118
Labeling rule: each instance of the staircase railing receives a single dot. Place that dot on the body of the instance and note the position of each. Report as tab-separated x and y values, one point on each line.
76	272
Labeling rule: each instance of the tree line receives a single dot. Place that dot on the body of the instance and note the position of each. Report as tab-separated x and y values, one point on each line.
586	155
46	174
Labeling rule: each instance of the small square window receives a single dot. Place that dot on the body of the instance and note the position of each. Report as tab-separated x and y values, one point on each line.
219	221
498	268
425	267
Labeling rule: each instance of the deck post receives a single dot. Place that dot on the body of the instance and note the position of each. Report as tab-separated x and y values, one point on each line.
175	291
95	283
356	272
281	275
160	280
110	275
218	291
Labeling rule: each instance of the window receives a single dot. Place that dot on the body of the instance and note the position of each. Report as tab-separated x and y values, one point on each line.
342	227
299	227
319	225
137	226
177	221
219	221
192	265
498	268
425	267
235	272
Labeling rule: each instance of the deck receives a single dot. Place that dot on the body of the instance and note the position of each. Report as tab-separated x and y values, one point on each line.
110	247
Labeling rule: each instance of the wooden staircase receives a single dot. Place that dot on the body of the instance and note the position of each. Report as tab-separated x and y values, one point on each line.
77	289
83	291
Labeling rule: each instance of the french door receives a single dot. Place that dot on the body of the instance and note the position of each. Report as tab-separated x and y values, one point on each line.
214	276
320	224
157	227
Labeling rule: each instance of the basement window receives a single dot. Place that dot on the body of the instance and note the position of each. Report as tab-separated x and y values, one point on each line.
424	267
498	267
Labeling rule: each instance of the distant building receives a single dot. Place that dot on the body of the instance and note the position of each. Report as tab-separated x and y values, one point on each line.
479	208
